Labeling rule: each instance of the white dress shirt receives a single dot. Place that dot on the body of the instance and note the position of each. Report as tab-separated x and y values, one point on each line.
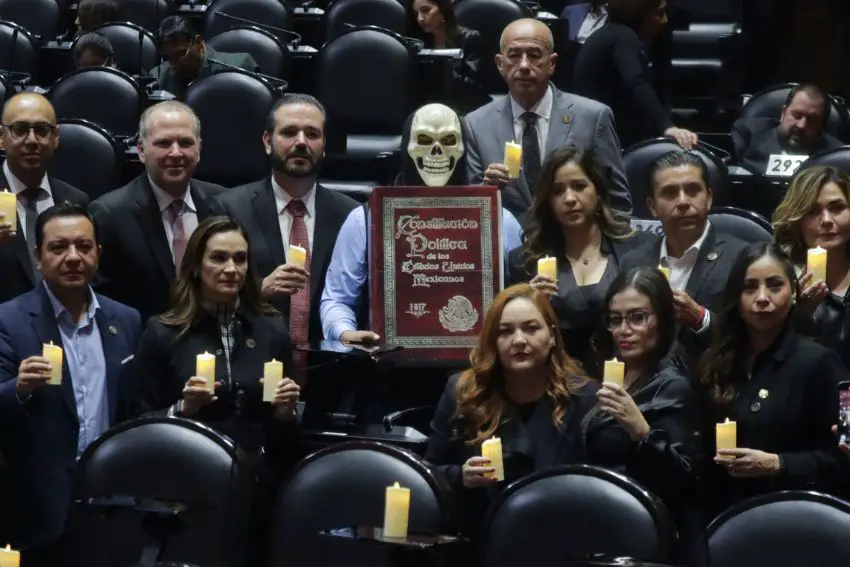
543	110
591	23
681	268
281	199
190	214
44	201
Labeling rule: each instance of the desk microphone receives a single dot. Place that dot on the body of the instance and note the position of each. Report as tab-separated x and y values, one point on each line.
412	42
278	82
296	37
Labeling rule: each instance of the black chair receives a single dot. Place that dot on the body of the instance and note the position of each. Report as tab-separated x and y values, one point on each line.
273	13
101	156
135	47
768	103
748	226
20	54
147	13
567	513
638	158
344	486
247	100
837	157
40	17
4	92
791	529
343	14
157	463
108	97
366	82
490	17
270	54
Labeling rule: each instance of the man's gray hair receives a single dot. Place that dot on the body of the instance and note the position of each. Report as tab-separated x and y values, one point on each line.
167	106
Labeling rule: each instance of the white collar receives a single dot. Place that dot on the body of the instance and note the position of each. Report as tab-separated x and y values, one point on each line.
695	246
282	198
543	108
16	185
164	199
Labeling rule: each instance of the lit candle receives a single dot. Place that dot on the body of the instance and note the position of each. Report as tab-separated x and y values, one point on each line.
548	266
272	375
492	449
53	354
9	208
296	256
727	435
396	511
816	264
9	557
614	372
205	368
665	271
513	159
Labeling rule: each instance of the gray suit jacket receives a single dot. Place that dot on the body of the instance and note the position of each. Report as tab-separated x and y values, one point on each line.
575	121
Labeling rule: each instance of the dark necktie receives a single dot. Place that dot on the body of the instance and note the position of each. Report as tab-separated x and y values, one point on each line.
299	304
30	199
530	150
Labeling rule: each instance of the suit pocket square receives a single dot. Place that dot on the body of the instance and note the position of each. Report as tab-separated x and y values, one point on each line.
126	360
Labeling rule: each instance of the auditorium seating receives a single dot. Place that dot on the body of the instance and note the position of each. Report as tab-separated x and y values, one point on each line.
147	13
40	17
274	13
83	142
267	50
343	14
19	53
837	157
748	226
135	48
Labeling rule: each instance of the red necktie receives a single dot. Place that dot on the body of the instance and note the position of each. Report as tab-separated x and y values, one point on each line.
299	304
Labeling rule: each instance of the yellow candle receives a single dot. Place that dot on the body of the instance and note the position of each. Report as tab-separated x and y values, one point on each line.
614	372
205	368
53	354
492	449
727	435
296	256
9	557
396	511
816	264
272	375
513	159
548	266
665	271
9	208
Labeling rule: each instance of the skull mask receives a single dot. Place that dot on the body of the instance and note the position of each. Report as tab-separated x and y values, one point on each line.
436	143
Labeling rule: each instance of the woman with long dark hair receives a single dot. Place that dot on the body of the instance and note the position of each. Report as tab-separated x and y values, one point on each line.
780	388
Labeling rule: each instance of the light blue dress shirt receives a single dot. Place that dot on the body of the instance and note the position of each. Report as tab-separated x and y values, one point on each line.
83	351
348	272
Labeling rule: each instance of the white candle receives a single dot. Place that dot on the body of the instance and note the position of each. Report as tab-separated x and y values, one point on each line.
9	557
9	208
614	372
272	375
492	449
205	368
53	354
396	511
727	435
296	256
513	159
548	267
816	264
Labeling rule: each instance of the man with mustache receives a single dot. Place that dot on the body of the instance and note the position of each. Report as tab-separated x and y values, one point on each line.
290	208
145	225
799	131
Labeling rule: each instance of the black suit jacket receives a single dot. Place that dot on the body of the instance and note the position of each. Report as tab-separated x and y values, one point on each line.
136	266
756	139
15	256
253	206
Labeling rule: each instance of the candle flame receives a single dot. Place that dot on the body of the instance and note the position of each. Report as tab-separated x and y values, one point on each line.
396	485
8	547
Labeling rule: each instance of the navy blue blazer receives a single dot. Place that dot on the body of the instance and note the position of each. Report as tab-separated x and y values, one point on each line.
39	437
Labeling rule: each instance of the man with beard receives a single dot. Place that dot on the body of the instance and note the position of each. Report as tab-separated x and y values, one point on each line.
800	130
289	208
145	225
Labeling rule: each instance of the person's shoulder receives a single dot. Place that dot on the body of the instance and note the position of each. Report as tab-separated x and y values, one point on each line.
338	198
121	198
240	195
208	189
831	142
12	309
68	192
580	103
116	309
810	351
484	114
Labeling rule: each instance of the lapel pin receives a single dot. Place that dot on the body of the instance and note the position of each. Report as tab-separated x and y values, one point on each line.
113	330
755	407
566	119
712	256
250	343
763	394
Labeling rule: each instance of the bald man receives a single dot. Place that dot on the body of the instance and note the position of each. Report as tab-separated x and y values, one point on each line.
29	136
541	118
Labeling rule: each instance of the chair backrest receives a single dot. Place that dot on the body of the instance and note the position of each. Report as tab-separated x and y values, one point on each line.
343	14
792	529
344	486
24	56
270	54
135	47
748	226
147	13
108	97
768	103
838	157
83	142
570	512
39	17
490	17
168	460
638	158
248	101
364	81
273	13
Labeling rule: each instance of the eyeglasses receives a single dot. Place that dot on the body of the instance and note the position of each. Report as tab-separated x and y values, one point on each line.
635	320
21	130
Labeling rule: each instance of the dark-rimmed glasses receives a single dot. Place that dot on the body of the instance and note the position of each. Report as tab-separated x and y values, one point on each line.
20	130
636	320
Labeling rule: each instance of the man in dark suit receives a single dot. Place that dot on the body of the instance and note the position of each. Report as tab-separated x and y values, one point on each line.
29	136
44	428
290	208
144	226
539	117
188	58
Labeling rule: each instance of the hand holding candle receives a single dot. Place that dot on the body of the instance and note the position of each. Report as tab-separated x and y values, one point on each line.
727	435
816	264
492	449
296	256
9	210
9	557
396	512
548	266
205	368
53	354
513	159
272	376
614	372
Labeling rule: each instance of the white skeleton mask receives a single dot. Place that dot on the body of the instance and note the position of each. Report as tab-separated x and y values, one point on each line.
436	143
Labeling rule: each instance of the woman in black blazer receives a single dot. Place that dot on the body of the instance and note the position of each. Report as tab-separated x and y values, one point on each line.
571	219
779	387
216	308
